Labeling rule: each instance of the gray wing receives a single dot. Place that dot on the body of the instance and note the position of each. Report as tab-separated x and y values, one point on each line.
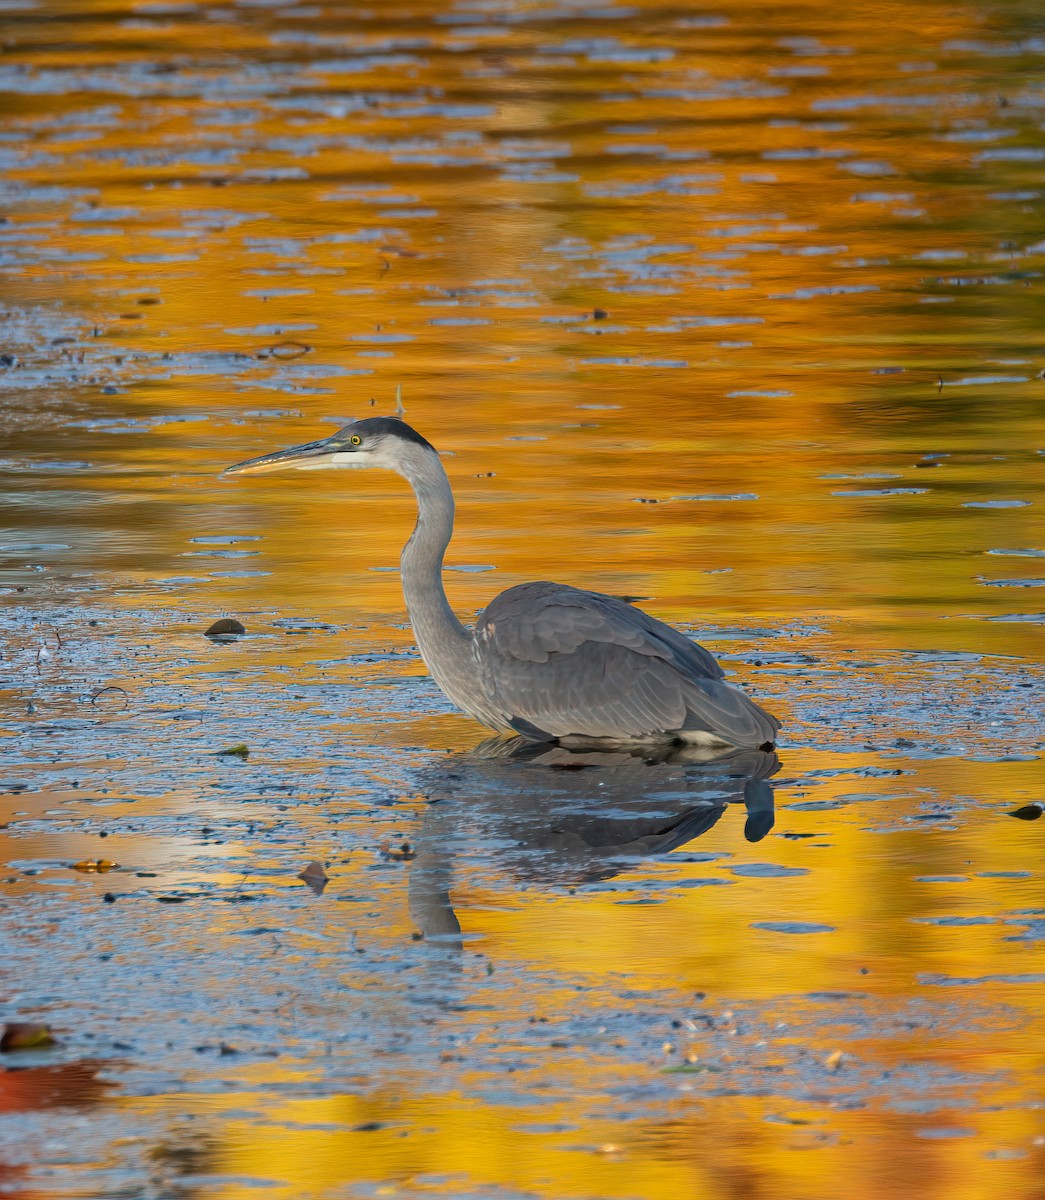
558	661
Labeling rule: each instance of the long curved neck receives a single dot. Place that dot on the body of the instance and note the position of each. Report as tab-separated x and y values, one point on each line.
444	642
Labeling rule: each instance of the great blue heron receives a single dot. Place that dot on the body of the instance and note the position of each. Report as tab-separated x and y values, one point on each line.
545	660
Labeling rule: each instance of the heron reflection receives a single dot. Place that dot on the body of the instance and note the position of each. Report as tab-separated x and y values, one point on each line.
545	815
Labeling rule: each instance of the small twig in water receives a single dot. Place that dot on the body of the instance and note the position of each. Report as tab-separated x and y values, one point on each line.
112	688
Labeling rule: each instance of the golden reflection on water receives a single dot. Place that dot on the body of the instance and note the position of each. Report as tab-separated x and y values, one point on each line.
668	284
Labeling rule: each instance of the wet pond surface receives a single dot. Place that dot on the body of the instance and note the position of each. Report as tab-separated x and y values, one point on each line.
732	309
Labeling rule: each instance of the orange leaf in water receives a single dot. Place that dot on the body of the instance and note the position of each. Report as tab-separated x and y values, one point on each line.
94	866
834	1060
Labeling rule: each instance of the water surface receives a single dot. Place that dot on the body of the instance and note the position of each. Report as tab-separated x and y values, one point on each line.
735	310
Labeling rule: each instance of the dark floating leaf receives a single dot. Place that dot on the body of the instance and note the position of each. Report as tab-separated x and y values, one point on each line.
315	876
225	627
1029	812
25	1035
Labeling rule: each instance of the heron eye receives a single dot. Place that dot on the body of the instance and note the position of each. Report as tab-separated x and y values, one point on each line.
356	440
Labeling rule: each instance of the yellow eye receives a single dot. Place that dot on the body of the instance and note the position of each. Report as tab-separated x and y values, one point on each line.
356	440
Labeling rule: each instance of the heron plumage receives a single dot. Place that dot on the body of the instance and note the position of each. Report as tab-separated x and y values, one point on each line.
546	660
566	663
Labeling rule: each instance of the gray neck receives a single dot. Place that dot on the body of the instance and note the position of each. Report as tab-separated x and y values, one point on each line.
445	644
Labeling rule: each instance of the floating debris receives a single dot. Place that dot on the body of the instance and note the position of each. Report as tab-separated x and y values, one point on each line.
97	866
225	627
315	876
1029	812
25	1035
402	853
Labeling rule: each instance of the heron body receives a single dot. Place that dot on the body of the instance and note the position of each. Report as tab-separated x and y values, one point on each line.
546	661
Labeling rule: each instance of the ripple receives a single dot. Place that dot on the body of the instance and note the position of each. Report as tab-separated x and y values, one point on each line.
884	492
766	870
718	496
996	504
792	927
932	980
1013	583
225	539
982	380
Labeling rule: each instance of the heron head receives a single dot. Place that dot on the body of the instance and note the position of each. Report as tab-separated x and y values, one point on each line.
373	442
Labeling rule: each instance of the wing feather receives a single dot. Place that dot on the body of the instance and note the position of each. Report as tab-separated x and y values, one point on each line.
560	661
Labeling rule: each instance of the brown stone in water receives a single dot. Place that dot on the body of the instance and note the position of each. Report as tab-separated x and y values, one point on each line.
226	625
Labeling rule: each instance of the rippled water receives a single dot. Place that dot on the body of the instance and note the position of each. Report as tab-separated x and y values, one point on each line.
736	310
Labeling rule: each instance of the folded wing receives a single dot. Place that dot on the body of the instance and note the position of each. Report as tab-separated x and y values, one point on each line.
558	661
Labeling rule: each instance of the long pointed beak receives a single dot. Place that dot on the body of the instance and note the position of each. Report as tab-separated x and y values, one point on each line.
310	456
